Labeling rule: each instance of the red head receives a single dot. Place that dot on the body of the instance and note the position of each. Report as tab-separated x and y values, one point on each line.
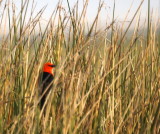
48	67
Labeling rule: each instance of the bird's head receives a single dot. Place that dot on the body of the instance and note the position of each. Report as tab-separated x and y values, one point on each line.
48	67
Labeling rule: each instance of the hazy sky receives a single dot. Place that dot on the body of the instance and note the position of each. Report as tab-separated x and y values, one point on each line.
122	7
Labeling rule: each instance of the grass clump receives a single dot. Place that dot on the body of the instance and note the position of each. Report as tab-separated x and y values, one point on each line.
101	85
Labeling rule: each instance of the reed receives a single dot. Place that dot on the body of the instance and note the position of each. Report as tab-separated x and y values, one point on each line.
101	85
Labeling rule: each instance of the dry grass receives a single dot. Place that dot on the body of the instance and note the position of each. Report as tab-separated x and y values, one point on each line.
101	85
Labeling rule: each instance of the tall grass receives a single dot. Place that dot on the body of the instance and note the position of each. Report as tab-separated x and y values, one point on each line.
100	86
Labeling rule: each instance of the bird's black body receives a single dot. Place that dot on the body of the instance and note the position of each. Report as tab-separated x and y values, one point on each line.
47	80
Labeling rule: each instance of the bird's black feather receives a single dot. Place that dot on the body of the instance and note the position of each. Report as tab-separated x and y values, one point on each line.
47	80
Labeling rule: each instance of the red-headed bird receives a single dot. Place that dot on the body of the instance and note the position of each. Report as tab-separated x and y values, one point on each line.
47	81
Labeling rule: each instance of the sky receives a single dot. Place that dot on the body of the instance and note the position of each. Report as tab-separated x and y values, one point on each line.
122	6
121	9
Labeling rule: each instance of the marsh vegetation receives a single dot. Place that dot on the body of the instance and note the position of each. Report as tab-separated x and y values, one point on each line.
103	84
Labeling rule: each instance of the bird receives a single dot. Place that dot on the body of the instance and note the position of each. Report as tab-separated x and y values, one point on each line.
46	82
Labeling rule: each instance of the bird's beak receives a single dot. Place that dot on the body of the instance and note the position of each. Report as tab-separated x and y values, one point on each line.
52	65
